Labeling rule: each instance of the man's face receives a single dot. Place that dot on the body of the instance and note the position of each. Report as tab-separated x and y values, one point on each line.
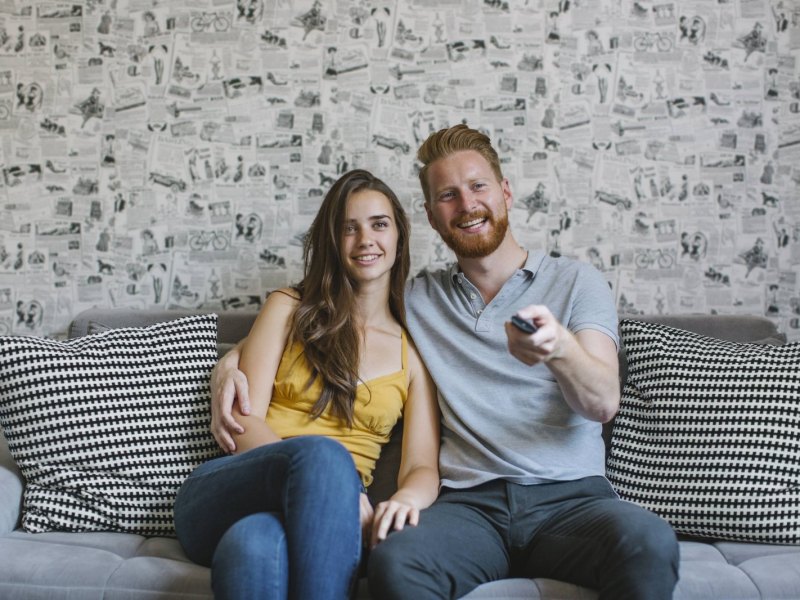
468	206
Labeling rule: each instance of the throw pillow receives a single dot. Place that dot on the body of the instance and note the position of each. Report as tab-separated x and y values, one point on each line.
708	434
106	427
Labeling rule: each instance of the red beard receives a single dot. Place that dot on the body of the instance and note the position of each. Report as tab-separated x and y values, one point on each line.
475	246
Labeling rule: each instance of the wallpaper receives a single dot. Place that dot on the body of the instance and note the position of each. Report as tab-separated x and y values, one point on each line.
173	154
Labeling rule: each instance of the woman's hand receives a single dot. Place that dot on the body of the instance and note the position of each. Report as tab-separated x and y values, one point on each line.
391	514
367	514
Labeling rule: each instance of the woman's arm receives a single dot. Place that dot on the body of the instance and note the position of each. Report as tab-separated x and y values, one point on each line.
418	479
260	356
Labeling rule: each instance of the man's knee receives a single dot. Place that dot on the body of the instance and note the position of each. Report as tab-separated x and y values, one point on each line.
659	542
646	543
650	535
390	568
405	565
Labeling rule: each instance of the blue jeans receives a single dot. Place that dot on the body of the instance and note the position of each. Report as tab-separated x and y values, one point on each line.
573	531
279	521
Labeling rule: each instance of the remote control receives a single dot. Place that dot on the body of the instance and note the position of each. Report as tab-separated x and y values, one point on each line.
523	324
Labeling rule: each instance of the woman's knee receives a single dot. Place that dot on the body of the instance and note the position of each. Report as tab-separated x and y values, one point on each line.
321	449
324	458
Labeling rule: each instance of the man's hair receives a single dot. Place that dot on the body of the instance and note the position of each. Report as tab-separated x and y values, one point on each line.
324	321
445	142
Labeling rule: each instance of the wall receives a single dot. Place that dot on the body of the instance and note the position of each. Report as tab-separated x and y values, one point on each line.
174	153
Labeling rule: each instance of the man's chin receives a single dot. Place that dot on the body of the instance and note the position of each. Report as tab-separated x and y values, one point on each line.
478	247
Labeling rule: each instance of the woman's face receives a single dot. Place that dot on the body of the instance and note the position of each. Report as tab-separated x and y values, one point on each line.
369	237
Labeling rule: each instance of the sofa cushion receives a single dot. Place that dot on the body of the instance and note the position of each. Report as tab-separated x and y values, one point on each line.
106	427
708	434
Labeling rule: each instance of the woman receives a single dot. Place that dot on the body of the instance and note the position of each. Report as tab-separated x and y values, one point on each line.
330	370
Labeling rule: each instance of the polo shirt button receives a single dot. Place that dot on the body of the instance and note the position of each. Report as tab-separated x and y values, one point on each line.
472	295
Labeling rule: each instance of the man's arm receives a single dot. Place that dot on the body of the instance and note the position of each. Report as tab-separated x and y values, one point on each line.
259	361
228	386
585	364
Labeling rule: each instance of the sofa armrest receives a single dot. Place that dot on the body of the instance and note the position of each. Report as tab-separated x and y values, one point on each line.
11	486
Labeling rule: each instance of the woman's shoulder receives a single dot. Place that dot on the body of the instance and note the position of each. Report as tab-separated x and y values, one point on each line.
285	296
415	364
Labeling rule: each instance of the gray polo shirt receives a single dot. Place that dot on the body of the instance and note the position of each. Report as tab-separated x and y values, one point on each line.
500	417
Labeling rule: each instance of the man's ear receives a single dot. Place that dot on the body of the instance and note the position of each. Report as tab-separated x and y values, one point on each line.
427	205
507	195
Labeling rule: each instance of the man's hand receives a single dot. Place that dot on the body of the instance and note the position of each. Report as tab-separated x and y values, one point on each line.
228	385
543	345
584	363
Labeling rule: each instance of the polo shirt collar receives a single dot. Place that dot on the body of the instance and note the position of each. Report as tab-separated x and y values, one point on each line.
532	264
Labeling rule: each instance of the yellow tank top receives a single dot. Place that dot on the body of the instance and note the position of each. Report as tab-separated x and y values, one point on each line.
378	406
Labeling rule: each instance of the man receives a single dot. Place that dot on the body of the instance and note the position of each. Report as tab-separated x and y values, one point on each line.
523	491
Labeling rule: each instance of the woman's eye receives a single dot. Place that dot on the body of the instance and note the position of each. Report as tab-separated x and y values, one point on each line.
381	224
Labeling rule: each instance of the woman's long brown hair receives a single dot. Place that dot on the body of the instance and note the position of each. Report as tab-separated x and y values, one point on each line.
325	319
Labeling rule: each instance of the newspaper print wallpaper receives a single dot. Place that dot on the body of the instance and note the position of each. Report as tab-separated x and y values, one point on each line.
173	154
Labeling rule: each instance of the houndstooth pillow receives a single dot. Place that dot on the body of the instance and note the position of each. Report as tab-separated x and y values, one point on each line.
106	427
708	434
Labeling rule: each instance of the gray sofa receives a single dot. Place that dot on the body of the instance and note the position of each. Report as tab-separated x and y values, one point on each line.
123	566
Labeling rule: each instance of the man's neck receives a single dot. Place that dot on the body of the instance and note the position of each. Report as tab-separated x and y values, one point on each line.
490	273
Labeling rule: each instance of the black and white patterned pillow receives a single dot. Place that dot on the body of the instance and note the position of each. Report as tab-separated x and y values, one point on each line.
708	434
106	427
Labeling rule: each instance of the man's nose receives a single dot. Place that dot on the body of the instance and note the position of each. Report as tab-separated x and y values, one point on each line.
466	200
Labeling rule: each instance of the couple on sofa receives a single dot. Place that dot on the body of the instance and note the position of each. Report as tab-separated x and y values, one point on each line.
520	455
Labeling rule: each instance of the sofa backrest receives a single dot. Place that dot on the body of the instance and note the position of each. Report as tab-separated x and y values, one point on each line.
232	325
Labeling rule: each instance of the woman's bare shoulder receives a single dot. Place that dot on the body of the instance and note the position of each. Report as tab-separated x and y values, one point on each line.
284	296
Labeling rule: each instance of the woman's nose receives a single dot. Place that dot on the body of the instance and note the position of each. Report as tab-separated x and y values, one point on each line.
365	238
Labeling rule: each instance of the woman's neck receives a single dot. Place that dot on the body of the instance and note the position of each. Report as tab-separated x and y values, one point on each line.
372	306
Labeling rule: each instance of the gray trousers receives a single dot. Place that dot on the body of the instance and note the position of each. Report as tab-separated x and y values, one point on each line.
575	531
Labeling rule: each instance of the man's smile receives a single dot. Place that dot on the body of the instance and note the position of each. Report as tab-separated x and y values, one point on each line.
472	223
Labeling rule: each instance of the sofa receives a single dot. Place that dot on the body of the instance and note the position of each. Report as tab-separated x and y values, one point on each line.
119	566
